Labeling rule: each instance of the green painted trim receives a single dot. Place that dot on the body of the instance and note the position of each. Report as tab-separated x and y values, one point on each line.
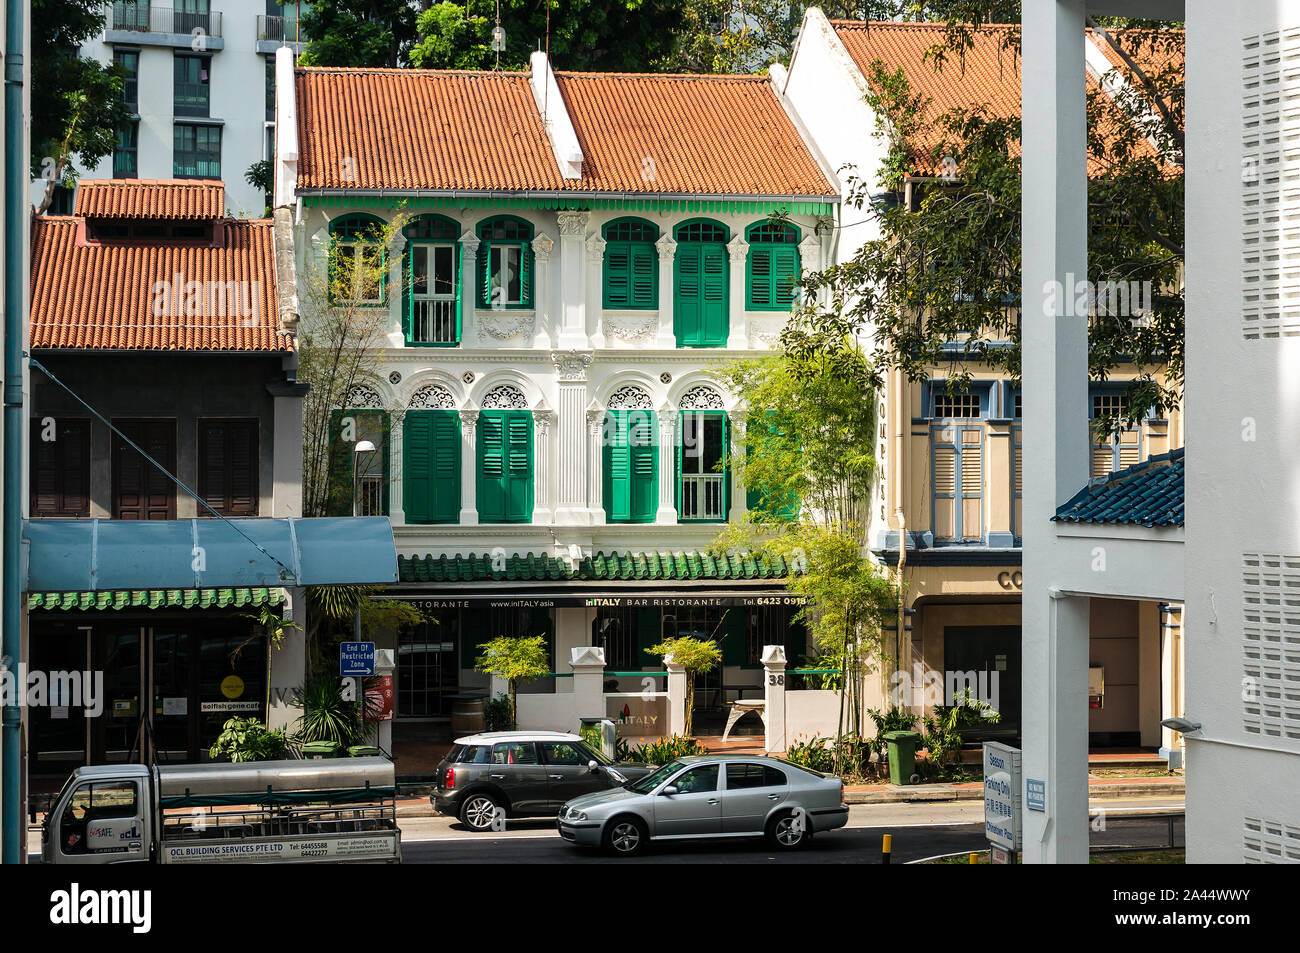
155	599
561	203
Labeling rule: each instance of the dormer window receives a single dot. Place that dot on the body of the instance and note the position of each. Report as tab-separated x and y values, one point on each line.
148	230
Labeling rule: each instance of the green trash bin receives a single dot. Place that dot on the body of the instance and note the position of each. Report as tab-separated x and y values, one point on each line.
902	755
315	750
364	751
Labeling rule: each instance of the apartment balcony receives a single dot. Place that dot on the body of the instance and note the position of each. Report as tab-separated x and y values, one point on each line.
143	24
702	496
275	32
433	320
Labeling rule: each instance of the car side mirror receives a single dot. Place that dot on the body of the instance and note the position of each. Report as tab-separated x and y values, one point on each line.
592	766
669	791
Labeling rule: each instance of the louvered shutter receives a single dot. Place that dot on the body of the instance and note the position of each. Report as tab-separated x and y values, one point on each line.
417	465
972	483
526	273
785	274
714	285
491	468
1130	448
618	499
644	277
243	468
519	466
644	452
688	302
945	490
445	505
760	277
338	501
618	275
60	469
485	276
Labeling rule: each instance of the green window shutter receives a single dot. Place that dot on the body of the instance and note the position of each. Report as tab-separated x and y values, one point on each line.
758	283
735	635
618	468
645	276
618	275
431	466
417	465
714	319
408	292
491	466
526	273
519	466
726	467
786	269
643	452
485	276
687	294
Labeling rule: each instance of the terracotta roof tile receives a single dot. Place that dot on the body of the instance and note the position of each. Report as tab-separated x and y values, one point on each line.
421	129
151	198
655	133
102	296
480	131
985	75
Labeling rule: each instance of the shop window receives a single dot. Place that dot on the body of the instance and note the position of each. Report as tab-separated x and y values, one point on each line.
431	447
427	668
615	629
631	453
60	467
228	466
701	279
631	269
775	625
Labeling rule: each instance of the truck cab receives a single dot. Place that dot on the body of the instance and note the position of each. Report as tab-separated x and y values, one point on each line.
103	815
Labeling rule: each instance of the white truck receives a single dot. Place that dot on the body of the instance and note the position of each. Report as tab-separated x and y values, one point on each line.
340	810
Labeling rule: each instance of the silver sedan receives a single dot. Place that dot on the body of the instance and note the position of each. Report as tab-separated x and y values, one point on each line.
706	797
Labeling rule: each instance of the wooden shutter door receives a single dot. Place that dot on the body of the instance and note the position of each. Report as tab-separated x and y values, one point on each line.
618	467
972	483
1018	479
643	451
60	469
785	274
945	484
491	466
417	465
141	491
714	280
445	501
617	276
688	300
760	277
644	265
519	466
243	467
1130	448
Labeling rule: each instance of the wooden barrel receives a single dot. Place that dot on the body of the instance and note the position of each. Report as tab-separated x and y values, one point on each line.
467	714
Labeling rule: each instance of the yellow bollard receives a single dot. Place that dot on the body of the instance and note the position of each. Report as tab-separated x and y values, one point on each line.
974	858
886	847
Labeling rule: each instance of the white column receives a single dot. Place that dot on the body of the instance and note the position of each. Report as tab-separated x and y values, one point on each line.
810	260
595	290
676	696
469	287
288	662
543	417
596	463
1055	368
736	512
543	292
667	513
667	252
774	663
588	664
571	437
737	252
396	503
572	280
468	468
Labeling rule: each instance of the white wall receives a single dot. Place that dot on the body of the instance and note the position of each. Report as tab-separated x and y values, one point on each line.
1242	492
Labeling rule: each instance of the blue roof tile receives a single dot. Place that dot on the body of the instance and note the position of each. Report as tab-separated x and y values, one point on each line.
1145	494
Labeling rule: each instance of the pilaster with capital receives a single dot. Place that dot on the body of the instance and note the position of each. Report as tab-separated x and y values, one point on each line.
468	467
572	331
543	419
737	251
469	245
596	463
544	291
570	436
667	512
667	254
595	284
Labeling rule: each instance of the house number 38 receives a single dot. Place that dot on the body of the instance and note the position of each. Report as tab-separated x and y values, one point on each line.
776	680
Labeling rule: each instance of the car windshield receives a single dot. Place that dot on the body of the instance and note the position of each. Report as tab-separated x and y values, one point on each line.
655	778
591	753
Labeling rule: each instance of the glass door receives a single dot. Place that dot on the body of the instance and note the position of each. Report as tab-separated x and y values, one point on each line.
118	655
173	672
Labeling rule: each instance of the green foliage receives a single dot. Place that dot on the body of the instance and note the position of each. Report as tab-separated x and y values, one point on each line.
247	739
941	286
592	735
357	32
496	713
451	38
663	750
331	614
77	102
329	713
941	736
849	757
259	175
694	655
895	719
514	659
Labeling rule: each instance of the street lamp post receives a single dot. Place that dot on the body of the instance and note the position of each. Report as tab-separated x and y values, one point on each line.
362	446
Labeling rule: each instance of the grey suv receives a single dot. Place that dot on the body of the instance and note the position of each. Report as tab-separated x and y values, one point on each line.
706	797
488	777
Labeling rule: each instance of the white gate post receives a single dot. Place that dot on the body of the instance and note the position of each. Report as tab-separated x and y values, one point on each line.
676	696
774	662
588	664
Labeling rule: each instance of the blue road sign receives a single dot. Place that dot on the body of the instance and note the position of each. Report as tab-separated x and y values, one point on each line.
356	658
1035	794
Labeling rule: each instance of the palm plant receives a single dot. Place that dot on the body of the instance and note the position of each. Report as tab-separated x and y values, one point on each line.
328	713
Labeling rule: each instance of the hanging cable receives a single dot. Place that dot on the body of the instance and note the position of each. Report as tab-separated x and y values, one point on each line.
286	574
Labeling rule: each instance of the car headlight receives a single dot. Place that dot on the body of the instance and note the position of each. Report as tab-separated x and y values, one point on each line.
576	815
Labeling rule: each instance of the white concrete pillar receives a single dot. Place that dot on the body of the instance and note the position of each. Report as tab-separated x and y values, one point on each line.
288	662
572	280
544	292
667	512
396	501
596	290
774	663
596	463
737	252
588	664
571	437
468	468
1055	368
543	418
736	512
469	287
286	454
676	697
667	253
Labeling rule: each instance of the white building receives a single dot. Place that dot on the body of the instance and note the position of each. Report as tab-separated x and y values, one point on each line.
579	250
200	79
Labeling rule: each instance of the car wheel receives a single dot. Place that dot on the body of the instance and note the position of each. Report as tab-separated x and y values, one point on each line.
478	812
625	836
789	831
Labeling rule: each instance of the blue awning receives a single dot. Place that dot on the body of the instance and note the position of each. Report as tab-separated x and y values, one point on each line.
100	555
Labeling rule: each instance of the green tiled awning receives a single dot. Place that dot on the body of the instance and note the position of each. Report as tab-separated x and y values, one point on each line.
532	567
156	599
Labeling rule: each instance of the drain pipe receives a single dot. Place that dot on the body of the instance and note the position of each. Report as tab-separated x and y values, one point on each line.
15	210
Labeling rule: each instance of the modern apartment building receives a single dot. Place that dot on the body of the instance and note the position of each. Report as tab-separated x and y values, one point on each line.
200	83
576	252
952	465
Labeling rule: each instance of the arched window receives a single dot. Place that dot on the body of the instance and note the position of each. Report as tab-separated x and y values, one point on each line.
358	260
505	263
505	457
700	280
631	278
631	455
431	312
703	471
773	267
